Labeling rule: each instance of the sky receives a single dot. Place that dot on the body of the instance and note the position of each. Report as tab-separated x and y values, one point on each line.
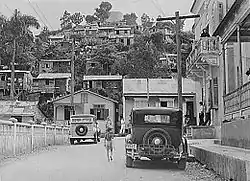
50	11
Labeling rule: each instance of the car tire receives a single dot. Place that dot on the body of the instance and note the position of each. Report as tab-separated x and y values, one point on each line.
181	164
72	141
129	162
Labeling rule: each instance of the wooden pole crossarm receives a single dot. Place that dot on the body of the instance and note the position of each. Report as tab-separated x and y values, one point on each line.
180	17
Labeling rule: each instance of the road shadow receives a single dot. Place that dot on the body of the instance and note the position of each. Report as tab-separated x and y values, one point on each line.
159	165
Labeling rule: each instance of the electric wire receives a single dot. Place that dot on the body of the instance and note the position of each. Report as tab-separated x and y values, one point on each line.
37	13
43	16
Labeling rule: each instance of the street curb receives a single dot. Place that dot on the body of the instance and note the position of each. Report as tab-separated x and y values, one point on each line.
227	166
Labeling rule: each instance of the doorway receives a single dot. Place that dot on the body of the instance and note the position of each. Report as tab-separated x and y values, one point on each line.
190	111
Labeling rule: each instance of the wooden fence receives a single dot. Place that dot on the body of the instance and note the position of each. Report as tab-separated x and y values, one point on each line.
19	138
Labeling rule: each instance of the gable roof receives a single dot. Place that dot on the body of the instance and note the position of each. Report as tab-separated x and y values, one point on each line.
86	91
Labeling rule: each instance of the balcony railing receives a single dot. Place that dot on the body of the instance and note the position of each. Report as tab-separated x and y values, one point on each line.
46	89
206	46
238	99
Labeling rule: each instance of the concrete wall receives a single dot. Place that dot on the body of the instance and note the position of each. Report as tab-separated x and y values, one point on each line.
236	133
19	138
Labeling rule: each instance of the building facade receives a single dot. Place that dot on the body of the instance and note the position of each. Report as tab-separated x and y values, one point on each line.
87	102
203	61
234	35
23	82
52	84
160	93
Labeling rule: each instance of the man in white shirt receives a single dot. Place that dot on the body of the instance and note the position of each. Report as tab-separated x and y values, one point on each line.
122	130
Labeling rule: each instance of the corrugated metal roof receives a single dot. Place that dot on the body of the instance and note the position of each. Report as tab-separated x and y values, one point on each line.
61	60
54	76
102	77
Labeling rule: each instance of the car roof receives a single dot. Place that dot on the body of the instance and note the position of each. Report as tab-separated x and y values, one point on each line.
83	115
155	110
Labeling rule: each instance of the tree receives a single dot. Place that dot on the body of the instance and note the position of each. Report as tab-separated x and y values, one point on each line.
130	19
90	19
77	18
66	20
146	21
17	40
102	13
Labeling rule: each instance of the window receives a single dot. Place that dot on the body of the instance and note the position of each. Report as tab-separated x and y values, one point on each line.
84	98
140	102
215	96
46	82
117	32
126	31
167	102
157	119
47	65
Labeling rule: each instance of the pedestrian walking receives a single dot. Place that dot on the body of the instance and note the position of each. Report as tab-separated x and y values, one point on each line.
108	143
122	130
108	123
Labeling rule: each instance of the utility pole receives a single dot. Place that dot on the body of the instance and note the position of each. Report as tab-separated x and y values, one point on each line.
177	19
72	77
12	85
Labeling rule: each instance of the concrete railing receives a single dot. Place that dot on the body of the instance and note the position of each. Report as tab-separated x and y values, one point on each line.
18	138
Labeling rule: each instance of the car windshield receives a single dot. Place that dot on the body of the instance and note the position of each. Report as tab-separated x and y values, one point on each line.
157	119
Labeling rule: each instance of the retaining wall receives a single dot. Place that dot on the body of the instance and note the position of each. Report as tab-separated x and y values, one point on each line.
19	138
236	133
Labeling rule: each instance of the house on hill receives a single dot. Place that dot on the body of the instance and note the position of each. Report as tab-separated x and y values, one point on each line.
87	102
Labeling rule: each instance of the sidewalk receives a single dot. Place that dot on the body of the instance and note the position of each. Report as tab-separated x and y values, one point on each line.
229	162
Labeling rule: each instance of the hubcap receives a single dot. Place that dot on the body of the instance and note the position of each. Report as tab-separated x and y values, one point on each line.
157	141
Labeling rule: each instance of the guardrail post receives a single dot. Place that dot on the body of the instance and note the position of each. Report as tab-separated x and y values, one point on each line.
54	135
14	138
45	133
32	134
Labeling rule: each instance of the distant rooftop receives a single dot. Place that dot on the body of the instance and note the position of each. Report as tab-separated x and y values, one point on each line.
102	77
60	60
54	76
17	71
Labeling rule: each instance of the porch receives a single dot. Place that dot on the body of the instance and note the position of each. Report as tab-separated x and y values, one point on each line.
203	67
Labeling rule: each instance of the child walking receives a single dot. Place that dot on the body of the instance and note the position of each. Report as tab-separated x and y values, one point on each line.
108	143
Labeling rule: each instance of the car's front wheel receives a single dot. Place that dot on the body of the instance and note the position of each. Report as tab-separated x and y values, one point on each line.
129	161
181	164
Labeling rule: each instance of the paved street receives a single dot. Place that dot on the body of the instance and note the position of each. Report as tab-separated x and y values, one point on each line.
87	162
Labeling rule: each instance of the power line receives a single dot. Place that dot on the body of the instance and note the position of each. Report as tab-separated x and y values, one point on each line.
8	8
156	4
44	16
37	13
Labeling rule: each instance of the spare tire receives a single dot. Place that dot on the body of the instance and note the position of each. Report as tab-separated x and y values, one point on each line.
157	138
81	130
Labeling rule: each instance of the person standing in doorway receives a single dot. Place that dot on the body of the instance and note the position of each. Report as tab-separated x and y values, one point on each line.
201	114
108	143
122	130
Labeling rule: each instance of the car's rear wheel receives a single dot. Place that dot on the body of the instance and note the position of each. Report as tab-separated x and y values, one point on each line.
181	164
129	161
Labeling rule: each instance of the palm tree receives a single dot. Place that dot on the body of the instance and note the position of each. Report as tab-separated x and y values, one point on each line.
17	36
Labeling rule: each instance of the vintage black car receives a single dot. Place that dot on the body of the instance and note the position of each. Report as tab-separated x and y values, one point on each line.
156	133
